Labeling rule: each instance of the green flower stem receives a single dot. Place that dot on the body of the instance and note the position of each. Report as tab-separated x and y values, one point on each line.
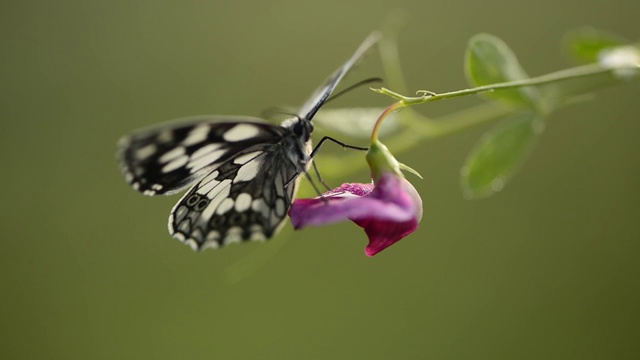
562	75
376	128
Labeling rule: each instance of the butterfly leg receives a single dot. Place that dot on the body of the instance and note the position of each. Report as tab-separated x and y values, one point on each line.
315	169
325	138
313	184
317	148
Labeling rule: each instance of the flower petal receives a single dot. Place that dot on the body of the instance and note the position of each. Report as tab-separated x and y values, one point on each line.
383	234
388	212
305	212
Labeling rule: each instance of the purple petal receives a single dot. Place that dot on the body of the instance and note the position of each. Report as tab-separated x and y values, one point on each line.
317	212
388	212
383	234
352	189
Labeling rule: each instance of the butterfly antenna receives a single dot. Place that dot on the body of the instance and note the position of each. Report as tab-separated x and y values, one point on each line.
270	112
355	86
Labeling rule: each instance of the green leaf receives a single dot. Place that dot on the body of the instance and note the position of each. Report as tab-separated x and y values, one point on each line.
355	122
488	60
586	43
499	154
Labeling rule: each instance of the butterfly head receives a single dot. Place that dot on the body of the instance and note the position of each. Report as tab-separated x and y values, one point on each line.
302	128
298	142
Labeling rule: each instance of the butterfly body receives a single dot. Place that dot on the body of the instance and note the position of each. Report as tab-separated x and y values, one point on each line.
245	170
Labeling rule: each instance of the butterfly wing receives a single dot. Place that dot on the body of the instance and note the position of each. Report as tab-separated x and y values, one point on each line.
244	198
321	95
245	167
165	159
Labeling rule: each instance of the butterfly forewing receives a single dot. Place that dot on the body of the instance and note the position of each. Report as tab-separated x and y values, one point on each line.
244	169
165	159
321	95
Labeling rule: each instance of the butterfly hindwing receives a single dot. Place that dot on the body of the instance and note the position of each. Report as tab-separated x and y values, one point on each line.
244	198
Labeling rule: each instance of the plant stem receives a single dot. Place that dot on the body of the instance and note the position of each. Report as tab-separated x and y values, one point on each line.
385	113
562	75
566	74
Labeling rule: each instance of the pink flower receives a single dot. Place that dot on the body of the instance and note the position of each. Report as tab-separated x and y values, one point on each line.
388	211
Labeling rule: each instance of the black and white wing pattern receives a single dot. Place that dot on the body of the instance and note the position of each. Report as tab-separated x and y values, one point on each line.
241	167
243	199
164	159
244	169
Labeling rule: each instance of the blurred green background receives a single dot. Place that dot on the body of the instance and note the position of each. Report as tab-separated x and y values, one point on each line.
545	269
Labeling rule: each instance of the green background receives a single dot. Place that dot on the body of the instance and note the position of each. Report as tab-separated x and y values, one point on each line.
546	269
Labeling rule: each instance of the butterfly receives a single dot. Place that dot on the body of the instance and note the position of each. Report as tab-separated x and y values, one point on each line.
245	169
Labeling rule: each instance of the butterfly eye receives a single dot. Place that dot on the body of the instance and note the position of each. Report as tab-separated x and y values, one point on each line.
303	129
299	128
